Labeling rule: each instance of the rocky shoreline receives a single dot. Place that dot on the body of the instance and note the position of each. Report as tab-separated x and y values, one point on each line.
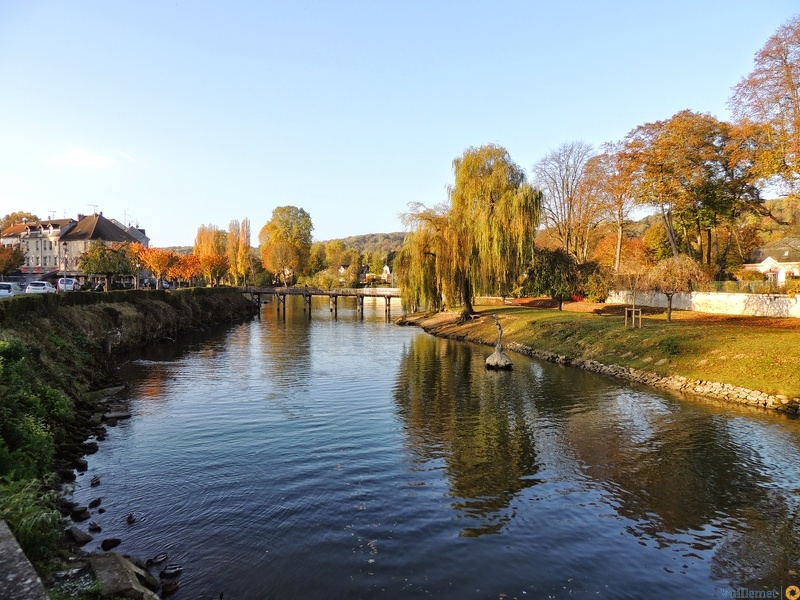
706	389
93	331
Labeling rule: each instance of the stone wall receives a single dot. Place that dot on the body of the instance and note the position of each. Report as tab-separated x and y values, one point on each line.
707	389
18	580
756	305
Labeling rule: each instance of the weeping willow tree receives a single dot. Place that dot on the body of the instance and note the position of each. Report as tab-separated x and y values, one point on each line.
416	262
478	244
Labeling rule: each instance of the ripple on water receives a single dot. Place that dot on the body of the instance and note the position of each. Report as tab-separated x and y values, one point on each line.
339	459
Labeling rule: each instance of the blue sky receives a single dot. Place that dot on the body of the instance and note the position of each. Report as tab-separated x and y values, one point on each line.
177	114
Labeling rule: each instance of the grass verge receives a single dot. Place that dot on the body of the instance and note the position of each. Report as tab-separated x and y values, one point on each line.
752	352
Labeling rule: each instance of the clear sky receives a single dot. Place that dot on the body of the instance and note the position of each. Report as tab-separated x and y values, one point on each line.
175	114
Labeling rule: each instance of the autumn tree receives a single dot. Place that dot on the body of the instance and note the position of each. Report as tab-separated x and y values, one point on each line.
210	249
11	259
768	102
335	253
417	261
285	241
673	275
633	270
281	258
316	259
185	269
656	242
214	267
611	179
483	240
238	249
107	260
156	260
571	205
689	168
16	217
553	273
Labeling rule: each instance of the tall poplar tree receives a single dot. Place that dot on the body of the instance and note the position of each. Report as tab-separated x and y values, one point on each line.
238	249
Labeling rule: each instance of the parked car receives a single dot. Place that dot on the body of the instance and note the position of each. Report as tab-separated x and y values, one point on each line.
40	287
9	288
67	284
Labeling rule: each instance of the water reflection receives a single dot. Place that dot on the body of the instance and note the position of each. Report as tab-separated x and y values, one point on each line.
475	421
710	486
348	458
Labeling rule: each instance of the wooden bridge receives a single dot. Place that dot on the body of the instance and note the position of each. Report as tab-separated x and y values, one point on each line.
333	294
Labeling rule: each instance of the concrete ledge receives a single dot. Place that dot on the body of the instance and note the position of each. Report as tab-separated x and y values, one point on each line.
119	577
718	303
18	580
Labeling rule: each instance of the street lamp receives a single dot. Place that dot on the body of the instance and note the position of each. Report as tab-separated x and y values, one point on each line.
138	266
64	245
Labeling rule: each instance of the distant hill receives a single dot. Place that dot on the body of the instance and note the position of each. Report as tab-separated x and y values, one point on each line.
374	242
180	249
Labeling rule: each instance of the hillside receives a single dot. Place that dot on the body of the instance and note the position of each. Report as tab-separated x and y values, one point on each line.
373	242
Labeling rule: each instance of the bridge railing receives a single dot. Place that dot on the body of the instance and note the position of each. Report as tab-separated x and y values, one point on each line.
294	291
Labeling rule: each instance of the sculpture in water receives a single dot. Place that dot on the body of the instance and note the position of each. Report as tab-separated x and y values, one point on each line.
498	359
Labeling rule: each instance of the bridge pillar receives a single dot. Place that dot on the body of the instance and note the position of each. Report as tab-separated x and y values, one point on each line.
388	309
334	303
307	302
281	301
360	305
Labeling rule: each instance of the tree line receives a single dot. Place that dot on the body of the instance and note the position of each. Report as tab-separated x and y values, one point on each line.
286	255
704	180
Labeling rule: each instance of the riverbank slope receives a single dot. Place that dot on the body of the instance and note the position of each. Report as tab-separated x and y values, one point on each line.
56	355
747	360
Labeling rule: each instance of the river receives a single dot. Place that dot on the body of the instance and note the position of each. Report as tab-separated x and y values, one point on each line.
320	458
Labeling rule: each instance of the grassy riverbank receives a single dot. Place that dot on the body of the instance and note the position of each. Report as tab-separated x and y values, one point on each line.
750	352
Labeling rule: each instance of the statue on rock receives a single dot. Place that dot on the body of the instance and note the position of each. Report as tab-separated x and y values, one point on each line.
498	359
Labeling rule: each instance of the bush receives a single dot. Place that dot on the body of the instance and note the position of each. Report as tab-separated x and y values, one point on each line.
30	413
748	275
597	286
29	509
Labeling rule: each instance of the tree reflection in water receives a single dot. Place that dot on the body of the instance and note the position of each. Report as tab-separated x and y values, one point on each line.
714	485
475	421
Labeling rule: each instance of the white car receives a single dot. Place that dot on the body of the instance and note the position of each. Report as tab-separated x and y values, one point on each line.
67	284
8	289
40	287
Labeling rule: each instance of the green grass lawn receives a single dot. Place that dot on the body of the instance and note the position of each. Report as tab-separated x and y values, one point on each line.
752	352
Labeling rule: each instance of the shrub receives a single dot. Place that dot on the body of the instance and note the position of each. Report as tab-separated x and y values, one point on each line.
29	415
670	347
29	509
597	287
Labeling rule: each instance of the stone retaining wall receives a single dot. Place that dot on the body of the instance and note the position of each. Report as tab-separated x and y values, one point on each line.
708	389
719	303
18	580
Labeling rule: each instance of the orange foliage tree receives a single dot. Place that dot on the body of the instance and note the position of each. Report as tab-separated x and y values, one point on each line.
156	260
185	269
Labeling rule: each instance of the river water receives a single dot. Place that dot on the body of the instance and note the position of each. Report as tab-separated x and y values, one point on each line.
348	458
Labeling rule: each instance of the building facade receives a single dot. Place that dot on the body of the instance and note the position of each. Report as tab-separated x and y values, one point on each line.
52	247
